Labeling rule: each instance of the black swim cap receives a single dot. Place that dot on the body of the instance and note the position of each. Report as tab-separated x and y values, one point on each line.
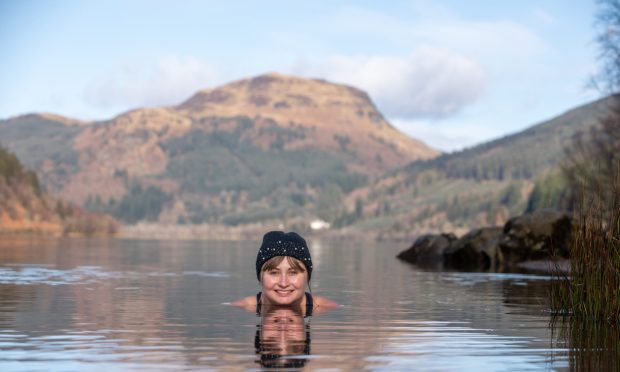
278	243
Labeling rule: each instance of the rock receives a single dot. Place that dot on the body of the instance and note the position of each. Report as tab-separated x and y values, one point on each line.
427	249
476	250
537	235
542	235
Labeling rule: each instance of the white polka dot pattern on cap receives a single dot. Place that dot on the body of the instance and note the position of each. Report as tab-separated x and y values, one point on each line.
278	243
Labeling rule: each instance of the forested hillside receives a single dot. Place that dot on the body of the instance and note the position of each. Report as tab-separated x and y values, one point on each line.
26	208
478	186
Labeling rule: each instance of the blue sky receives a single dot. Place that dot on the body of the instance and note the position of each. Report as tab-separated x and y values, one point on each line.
452	73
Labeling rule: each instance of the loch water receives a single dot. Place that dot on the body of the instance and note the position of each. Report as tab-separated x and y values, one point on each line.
113	304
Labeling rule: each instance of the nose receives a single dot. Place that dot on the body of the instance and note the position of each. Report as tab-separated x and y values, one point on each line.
283	280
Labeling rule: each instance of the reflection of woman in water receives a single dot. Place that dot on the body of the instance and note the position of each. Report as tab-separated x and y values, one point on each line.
282	338
284	268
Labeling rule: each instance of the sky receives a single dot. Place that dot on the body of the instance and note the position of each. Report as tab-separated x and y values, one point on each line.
451	73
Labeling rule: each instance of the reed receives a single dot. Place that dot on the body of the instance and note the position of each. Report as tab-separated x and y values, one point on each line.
592	289
589	345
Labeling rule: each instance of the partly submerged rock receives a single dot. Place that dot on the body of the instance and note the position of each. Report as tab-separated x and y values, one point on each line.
476	250
537	235
428	249
542	235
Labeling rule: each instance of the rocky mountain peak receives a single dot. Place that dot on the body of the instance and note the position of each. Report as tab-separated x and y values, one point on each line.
277	92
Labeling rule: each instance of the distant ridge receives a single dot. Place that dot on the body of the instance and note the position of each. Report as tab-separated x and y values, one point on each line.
478	186
524	154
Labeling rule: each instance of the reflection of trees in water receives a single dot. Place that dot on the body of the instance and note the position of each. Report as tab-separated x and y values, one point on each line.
528	295
282	338
592	346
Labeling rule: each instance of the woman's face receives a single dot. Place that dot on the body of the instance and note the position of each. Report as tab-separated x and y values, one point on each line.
283	285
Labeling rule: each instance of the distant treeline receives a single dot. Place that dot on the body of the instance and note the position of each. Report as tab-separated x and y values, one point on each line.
11	170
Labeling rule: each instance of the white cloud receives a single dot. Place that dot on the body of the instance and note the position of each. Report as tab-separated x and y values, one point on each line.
431	82
433	135
499	40
452	135
167	81
502	42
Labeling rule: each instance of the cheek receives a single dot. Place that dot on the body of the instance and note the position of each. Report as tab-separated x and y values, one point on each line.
267	282
300	281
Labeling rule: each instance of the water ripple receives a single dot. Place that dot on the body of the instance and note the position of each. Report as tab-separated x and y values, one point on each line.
43	274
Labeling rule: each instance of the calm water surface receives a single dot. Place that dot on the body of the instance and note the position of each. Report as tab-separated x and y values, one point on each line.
81	304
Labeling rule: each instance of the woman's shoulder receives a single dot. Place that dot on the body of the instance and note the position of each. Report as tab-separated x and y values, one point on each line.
248	302
322	304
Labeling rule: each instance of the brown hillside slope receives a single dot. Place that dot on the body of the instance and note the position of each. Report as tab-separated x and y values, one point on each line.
320	115
334	112
24	208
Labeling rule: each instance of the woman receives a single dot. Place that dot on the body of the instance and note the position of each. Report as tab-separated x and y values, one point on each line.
284	269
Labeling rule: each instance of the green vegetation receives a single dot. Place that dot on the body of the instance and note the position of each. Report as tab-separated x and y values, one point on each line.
11	169
520	156
485	184
274	178
592	346
550	192
10	166
329	204
593	289
222	160
139	204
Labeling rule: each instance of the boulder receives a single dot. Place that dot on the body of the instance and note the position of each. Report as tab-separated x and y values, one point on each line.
538	235
428	249
476	250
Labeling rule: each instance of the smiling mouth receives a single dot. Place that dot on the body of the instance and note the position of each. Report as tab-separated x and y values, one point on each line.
283	293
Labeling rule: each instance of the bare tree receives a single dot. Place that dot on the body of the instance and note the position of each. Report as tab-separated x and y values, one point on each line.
592	167
607	80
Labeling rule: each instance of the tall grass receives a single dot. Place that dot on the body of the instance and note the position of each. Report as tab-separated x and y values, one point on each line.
591	291
591	346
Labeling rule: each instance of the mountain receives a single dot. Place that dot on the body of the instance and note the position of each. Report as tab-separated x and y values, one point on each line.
268	147
25	208
478	186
